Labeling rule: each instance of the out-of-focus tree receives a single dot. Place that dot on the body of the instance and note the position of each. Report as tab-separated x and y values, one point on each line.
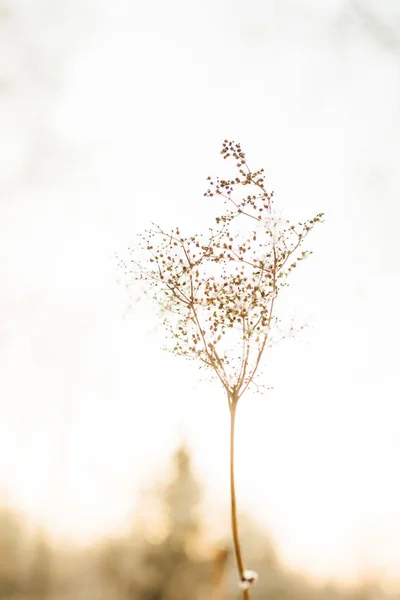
368	588
13	547
40	575
168	566
175	570
182	496
117	566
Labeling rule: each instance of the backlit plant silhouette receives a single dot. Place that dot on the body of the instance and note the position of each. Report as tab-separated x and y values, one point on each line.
218	291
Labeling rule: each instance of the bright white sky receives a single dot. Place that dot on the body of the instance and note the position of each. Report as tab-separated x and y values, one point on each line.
91	408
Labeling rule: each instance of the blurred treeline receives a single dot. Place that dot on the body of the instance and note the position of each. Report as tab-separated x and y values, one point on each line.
164	556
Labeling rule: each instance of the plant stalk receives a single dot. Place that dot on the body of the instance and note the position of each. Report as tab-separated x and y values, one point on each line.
235	529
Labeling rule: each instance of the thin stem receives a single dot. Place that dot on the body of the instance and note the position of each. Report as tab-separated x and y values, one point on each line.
235	529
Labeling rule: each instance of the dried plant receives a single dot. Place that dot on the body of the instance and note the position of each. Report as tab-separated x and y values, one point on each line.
217	292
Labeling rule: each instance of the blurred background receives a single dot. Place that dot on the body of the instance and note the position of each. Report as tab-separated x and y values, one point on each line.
114	454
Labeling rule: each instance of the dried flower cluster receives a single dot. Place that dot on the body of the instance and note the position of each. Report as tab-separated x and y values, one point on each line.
217	292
